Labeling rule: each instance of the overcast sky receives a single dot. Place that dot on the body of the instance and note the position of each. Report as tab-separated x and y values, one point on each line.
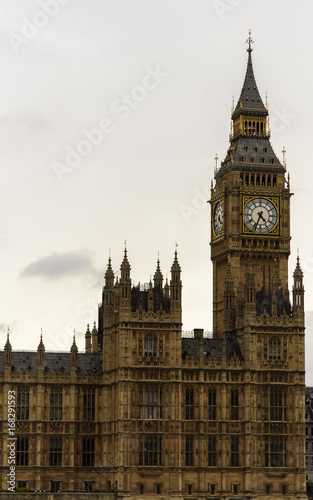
110	118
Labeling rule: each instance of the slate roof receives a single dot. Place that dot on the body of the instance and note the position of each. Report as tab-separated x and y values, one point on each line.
54	361
139	298
251	153
212	347
250	100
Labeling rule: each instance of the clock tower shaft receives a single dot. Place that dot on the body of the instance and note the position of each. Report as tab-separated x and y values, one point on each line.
250	247
250	204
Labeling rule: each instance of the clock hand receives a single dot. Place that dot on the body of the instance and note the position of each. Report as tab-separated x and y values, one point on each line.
260	214
255	225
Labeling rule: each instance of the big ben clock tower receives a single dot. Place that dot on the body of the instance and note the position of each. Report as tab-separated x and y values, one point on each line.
250	210
250	247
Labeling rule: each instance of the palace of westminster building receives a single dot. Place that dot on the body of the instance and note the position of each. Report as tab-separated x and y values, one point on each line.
145	411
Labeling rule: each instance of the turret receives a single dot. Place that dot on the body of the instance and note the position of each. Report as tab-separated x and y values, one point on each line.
150	298
249	287
158	276
41	353
88	340
74	352
298	292
95	347
109	275
8	352
125	285
176	289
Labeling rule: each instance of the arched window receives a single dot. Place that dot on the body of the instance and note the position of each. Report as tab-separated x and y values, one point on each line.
241	158
263	180
262	159
275	404
189	403
246	148
253	128
252	179
247	179
257	180
252	159
150	402
274	348
269	179
261	128
257	128
274	181
234	404
249	128
246	127
150	346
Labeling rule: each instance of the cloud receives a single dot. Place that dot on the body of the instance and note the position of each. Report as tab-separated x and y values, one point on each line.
59	265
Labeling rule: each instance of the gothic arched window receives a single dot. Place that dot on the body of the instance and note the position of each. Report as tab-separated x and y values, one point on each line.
274	348
150	346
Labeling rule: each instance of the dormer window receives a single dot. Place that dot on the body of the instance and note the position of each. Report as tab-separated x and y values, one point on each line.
246	148
265	150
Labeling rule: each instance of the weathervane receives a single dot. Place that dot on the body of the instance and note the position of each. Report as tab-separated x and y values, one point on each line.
250	41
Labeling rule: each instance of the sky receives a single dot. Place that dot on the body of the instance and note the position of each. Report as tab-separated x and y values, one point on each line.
112	113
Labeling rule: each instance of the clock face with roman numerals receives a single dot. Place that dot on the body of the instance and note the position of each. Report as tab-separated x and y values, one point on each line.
260	215
218	221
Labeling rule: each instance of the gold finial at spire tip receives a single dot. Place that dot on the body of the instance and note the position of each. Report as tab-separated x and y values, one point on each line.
249	41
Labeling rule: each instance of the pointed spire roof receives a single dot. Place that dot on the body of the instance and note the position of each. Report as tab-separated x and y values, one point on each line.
158	276
298	271
109	271
8	343
175	265
41	344
125	264
250	100
74	346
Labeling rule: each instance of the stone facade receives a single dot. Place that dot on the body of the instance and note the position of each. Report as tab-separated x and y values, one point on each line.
147	411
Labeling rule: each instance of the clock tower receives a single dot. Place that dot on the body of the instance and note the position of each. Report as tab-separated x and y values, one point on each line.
250	247
250	207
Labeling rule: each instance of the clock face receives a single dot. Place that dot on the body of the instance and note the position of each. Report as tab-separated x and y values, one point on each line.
260	215
218	221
